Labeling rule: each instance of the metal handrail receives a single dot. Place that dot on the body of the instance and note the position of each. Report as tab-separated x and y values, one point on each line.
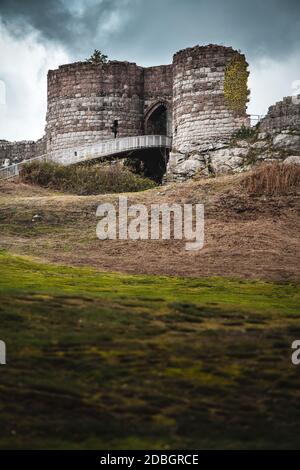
256	118
82	153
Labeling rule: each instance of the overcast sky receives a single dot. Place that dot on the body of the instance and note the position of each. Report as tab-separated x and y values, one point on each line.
37	35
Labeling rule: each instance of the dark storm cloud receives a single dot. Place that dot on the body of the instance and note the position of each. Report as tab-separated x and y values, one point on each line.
258	27
76	25
151	30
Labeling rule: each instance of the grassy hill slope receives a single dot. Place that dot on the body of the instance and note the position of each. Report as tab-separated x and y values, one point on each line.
102	360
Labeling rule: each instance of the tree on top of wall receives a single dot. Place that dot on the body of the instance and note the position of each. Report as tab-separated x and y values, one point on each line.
97	58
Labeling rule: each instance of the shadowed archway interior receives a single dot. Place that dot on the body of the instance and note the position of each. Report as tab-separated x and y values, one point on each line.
156	120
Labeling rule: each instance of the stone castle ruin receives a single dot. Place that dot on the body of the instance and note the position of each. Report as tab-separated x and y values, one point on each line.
184	100
199	101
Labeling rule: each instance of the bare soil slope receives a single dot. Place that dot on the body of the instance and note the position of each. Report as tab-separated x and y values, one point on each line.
246	236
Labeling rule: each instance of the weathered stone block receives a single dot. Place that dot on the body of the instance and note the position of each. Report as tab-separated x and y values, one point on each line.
293	159
287	141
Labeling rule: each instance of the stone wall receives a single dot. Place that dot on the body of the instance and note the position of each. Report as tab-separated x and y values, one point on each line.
283	116
41	146
158	87
15	152
201	116
158	84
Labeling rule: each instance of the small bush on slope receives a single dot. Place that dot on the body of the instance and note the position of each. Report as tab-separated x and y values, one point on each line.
83	180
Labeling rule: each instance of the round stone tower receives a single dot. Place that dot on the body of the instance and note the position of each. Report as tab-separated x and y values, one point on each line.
209	97
86	102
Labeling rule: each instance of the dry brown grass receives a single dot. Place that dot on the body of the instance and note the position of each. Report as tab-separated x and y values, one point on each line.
245	237
273	179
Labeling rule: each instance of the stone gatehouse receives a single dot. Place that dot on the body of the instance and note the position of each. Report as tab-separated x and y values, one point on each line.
88	102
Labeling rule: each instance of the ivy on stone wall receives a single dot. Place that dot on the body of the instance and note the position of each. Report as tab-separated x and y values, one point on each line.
235	85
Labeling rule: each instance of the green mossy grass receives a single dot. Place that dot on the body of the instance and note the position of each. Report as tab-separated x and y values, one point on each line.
108	361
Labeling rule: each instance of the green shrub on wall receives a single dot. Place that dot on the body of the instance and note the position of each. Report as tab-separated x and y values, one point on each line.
235	86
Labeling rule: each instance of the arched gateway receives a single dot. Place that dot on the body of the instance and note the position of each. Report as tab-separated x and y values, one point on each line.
157	119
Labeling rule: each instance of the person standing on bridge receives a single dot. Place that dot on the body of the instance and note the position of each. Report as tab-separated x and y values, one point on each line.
114	128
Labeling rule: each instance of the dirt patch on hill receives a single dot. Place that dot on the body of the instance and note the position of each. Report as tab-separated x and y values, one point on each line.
245	236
